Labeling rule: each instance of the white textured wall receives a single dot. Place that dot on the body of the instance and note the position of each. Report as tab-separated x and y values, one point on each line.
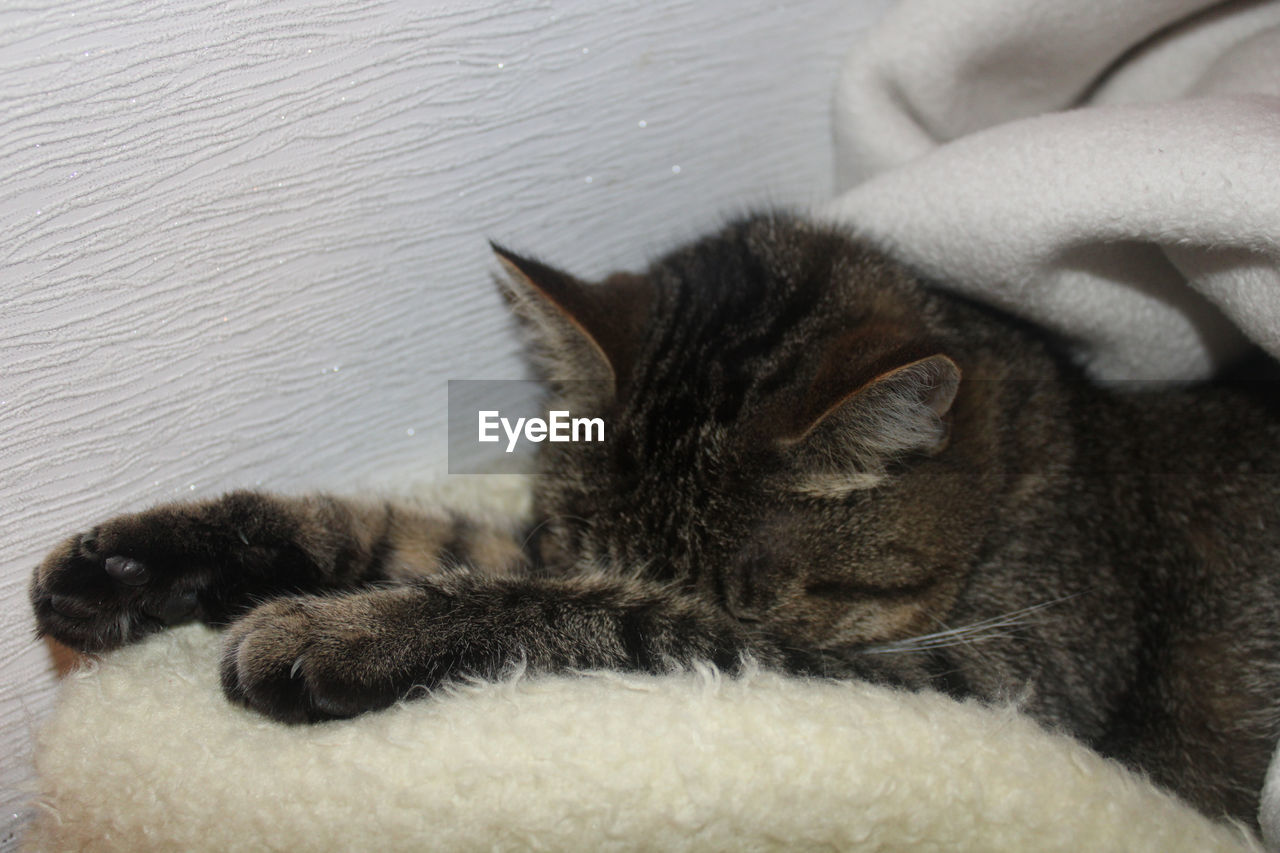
244	243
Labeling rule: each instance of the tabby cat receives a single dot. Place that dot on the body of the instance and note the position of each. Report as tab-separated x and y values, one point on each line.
812	459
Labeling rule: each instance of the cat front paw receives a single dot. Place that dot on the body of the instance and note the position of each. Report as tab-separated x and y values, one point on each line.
100	590
311	658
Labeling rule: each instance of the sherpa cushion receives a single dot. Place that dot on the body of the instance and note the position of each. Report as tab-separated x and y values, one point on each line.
143	753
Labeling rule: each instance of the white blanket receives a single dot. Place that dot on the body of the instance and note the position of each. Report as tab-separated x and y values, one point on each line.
1109	170
144	754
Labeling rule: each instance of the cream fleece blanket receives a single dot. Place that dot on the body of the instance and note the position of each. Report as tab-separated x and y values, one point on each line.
144	754
1109	170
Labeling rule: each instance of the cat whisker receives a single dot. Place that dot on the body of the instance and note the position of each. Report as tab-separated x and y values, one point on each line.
982	630
1012	617
908	646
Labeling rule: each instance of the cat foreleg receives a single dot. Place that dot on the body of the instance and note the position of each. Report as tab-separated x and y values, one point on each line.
213	560
311	658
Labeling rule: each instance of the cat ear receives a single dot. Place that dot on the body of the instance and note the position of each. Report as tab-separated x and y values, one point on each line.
581	330
864	422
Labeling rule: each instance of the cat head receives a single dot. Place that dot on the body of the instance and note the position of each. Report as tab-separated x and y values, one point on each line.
756	387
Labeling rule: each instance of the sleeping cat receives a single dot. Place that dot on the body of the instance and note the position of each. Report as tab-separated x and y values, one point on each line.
812	459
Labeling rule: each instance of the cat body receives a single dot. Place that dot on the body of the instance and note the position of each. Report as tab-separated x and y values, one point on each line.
811	459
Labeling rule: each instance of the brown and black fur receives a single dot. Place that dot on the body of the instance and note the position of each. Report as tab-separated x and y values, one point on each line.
811	458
